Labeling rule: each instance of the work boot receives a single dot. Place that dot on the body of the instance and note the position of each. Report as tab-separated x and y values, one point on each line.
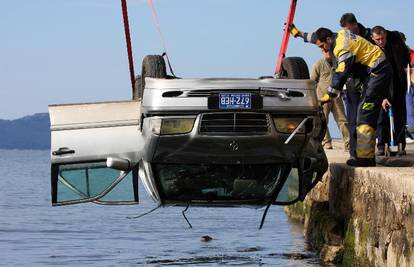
401	153
360	162
401	150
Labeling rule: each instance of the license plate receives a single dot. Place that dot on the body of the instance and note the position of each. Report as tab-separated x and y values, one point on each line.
235	101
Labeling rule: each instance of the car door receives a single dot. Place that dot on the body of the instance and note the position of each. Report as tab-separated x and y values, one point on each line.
95	150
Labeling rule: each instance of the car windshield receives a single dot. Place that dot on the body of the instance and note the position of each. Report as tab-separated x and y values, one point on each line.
212	182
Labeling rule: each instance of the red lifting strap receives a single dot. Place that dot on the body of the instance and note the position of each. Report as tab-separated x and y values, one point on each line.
128	42
286	35
157	24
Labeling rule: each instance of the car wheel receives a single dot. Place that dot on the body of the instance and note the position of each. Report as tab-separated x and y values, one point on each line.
153	66
294	68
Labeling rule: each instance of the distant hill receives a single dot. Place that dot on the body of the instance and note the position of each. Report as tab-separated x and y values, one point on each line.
29	132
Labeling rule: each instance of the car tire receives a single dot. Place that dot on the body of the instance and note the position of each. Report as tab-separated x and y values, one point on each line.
153	66
295	68
137	88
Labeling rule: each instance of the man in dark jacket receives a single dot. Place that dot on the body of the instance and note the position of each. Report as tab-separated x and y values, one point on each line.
349	22
398	55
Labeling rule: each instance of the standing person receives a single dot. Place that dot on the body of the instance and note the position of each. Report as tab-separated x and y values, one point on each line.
352	54
349	22
410	97
355	82
354	85
322	74
398	55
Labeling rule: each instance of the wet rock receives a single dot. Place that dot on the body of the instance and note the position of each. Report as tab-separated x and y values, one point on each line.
370	213
206	238
332	254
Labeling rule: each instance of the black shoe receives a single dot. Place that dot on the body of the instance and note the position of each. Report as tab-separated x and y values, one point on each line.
361	162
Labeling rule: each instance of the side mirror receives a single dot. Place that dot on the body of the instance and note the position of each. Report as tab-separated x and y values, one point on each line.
118	164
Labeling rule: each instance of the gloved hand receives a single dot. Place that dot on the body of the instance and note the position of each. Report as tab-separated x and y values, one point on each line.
327	97
295	31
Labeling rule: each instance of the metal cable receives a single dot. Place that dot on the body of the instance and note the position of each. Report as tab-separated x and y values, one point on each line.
185	217
146	213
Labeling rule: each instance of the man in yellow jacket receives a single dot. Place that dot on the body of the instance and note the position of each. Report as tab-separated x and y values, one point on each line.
354	54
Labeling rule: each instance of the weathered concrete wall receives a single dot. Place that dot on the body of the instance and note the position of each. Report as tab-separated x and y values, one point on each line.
361	216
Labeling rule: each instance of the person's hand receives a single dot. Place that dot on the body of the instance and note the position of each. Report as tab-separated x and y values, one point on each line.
295	31
385	104
329	96
326	98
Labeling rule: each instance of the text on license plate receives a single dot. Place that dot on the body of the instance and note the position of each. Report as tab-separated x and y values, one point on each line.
235	101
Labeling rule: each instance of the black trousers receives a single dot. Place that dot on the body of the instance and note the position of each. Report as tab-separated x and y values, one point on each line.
364	107
377	85
369	108
400	119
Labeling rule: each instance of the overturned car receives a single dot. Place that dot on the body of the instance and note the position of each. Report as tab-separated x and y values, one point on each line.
203	142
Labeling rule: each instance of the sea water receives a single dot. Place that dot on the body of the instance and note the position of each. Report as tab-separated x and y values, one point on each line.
33	233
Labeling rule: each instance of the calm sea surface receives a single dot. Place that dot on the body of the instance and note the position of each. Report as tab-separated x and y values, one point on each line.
32	233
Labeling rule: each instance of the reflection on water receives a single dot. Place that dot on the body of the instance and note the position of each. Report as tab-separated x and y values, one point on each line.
32	233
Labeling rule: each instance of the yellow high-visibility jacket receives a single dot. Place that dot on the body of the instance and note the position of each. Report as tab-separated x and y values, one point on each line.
352	53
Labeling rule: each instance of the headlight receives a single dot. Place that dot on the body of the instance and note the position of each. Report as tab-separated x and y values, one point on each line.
167	126
155	125
288	125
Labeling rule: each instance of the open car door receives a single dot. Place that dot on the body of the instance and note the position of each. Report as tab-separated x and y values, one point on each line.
95	150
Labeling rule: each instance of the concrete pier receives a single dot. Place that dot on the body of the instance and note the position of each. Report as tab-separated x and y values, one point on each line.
362	216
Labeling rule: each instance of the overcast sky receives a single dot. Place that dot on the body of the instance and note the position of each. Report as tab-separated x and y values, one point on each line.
68	51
